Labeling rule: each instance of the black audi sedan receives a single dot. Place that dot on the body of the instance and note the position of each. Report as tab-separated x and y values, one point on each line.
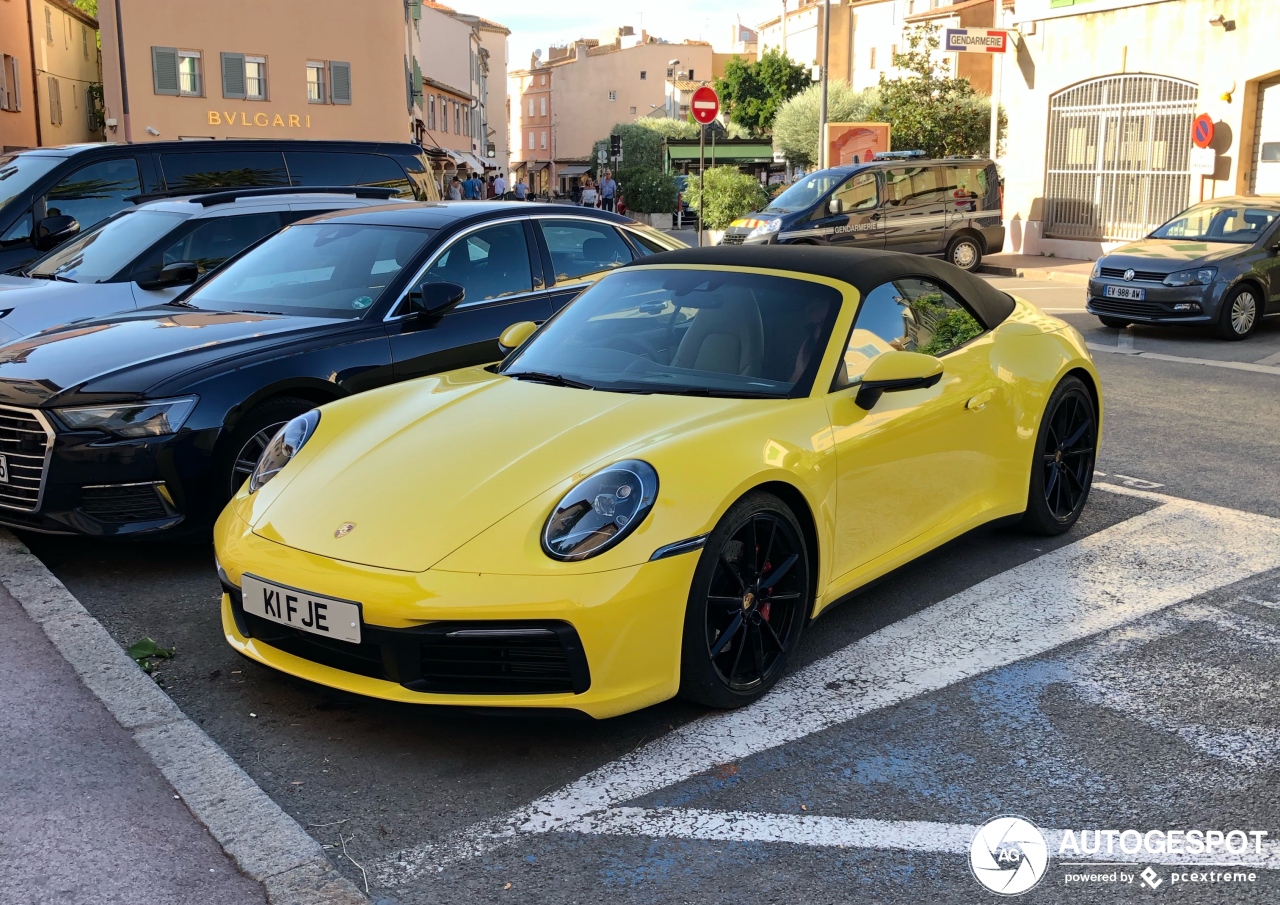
146	422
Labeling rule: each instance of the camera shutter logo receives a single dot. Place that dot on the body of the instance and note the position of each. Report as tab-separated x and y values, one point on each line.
1008	855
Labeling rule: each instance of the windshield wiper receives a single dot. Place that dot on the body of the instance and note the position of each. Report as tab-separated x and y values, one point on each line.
51	276
554	379
252	311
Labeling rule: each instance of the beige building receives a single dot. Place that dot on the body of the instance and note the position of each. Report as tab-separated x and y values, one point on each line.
1101	97
253	69
49	74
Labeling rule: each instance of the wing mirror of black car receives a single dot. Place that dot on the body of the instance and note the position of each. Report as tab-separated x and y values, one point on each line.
432	298
179	273
514	336
53	231
836	206
894	371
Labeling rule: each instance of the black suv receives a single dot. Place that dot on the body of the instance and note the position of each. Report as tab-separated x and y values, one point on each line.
47	195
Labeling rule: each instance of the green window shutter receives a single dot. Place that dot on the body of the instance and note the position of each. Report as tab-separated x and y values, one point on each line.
164	69
233	82
417	83
340	82
415	9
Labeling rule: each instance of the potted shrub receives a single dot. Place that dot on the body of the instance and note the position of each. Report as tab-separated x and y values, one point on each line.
729	195
650	195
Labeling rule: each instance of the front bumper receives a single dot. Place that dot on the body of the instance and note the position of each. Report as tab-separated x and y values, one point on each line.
628	624
1162	304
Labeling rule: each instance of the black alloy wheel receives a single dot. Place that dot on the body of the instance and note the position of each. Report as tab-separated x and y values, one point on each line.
1062	472
252	435
750	598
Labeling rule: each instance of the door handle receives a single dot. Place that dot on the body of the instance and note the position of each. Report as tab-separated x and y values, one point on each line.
875	216
979	402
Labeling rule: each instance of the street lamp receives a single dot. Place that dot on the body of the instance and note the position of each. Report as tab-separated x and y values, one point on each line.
823	163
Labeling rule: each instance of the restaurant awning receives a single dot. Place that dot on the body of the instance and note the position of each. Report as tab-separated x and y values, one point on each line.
538	166
574	170
756	152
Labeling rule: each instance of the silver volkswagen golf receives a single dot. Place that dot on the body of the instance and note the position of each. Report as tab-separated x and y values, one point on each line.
1216	263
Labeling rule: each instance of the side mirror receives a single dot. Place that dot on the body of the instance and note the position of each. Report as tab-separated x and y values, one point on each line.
514	336
836	206
432	298
894	371
53	231
179	273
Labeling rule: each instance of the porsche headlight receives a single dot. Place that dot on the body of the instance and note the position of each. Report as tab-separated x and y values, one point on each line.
1199	277
600	511
765	227
283	447
146	419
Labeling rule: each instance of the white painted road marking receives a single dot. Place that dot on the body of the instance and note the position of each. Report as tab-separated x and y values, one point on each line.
1165	556
1269	360
1256	368
1125	339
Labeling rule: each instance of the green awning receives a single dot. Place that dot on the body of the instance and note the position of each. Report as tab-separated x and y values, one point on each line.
736	153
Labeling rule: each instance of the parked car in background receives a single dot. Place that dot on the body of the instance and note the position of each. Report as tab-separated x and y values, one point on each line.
47	195
1215	263
147	255
948	208
148	421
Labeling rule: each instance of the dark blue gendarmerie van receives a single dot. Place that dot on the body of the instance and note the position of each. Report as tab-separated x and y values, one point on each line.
899	202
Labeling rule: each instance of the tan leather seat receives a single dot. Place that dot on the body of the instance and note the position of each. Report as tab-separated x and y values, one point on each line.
725	340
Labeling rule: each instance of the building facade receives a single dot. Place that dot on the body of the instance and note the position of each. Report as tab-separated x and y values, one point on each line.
247	69
532	139
17	73
1101	96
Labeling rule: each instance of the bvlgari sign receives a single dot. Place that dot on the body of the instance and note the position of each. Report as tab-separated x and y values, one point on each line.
261	120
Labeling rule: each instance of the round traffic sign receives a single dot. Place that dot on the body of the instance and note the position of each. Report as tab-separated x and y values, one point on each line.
705	104
1202	131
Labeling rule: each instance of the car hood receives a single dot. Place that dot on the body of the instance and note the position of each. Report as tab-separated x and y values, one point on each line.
123	355
1168	255
423	467
28	305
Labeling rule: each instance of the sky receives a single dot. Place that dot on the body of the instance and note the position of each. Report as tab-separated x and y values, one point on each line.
537	25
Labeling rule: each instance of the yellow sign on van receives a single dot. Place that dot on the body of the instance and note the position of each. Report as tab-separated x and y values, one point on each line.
261	120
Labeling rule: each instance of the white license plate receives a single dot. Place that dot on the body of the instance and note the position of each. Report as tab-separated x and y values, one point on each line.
302	610
1125	292
4	469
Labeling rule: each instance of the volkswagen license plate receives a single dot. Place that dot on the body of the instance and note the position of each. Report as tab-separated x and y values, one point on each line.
1125	292
302	610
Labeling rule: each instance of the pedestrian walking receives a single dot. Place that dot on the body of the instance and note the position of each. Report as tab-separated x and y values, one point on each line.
499	186
608	191
522	190
590	194
455	189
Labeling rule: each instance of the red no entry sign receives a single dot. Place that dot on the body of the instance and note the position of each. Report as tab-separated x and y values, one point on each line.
705	104
1202	131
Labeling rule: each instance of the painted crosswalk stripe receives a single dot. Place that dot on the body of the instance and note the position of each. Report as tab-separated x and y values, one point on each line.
1170	554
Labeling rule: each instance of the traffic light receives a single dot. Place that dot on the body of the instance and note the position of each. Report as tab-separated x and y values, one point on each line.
615	145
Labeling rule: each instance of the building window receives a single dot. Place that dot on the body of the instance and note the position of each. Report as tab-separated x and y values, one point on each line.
543	141
691	75
531	106
873	58
10	95
613	95
633	111
431	111
457	118
671	73
55	101
255	78
644	76
84	40
315	83
48	25
543	107
530	141
189	81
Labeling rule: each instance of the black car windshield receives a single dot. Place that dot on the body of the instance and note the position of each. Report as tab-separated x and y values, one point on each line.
18	172
1219	222
326	269
686	332
104	251
807	192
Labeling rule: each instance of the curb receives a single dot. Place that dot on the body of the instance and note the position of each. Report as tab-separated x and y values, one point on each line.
1072	279
264	842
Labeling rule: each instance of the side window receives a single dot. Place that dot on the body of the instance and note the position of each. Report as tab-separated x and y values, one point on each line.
95	192
579	247
206	170
215	240
330	168
489	263
910	315
967	187
906	186
858	193
386	173
18	233
647	244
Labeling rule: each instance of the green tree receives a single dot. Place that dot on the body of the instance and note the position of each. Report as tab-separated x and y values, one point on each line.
88	6
642	140
648	191
795	131
728	195
752	93
929	109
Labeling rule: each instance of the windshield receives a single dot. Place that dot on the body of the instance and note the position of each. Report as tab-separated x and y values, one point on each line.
327	269
101	253
18	172
693	332
807	192
1217	222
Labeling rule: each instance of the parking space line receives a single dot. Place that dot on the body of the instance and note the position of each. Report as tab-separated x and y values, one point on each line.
1269	360
1167	555
1254	367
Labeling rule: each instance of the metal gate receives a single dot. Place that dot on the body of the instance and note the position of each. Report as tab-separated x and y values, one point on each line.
1119	156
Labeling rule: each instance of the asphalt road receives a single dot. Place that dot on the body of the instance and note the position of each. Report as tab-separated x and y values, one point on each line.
981	681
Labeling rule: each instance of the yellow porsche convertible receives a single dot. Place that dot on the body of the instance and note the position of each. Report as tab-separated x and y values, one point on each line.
655	491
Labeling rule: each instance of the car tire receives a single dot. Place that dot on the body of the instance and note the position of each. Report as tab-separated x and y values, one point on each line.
1115	323
965	252
253	432
1240	313
1062	470
749	600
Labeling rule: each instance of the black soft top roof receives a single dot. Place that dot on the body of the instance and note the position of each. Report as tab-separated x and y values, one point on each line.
865	269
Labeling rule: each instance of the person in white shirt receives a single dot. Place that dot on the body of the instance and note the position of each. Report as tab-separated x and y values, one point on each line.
499	186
